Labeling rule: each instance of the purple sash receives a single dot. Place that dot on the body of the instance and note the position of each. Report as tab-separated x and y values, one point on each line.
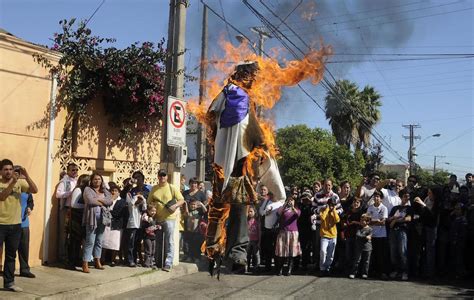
236	106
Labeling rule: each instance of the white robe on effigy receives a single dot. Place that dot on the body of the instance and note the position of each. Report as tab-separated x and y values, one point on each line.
229	147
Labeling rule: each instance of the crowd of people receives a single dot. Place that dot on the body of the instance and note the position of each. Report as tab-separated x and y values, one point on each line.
382	229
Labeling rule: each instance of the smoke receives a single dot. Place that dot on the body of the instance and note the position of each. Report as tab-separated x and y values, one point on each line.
351	27
356	27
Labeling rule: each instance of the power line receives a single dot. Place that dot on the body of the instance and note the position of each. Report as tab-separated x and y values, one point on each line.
325	83
357	12
223	15
392	21
384	15
95	11
452	140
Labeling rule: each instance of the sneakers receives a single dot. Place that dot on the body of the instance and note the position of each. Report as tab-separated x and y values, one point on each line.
364	276
404	276
166	268
352	276
393	275
14	288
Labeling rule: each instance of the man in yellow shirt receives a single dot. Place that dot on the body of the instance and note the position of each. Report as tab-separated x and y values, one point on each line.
167	199
329	219
11	187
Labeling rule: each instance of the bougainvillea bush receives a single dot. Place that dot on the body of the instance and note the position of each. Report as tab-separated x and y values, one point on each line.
129	81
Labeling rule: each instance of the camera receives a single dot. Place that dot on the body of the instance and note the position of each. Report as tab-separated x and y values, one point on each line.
17	169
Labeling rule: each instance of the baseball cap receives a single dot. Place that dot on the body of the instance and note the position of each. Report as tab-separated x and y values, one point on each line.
162	172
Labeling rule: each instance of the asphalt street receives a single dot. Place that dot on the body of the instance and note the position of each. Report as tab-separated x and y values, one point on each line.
202	286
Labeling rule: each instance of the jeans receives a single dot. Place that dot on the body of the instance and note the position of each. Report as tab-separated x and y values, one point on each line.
10	235
149	252
326	254
165	244
430	250
361	258
253	255
24	250
93	243
398	250
131	237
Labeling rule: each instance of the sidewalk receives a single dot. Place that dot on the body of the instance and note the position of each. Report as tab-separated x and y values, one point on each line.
58	283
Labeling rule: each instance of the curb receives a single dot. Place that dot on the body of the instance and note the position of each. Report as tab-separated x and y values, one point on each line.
123	285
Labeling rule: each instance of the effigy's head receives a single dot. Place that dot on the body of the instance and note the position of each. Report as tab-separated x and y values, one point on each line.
245	73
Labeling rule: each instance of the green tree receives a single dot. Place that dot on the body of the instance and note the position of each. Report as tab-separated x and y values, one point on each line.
427	178
352	113
313	154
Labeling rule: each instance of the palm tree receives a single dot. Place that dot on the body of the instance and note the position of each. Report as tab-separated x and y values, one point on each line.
352	113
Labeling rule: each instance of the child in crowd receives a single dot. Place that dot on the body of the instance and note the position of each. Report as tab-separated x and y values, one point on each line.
193	214
328	232
149	227
363	249
136	206
379	215
253	223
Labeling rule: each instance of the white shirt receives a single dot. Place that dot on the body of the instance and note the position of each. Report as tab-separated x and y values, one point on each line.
367	195
76	195
135	211
64	190
272	217
378	213
390	199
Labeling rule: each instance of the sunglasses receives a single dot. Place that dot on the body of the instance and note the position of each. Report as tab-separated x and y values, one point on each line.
74	170
161	175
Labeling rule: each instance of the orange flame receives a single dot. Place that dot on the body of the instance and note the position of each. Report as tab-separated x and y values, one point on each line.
266	89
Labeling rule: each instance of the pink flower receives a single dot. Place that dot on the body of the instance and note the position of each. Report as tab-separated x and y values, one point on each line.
151	111
134	98
55	47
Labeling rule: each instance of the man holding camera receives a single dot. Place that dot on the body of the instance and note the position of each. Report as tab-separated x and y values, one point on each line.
11	187
167	199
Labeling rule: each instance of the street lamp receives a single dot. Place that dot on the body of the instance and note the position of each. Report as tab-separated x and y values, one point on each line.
433	135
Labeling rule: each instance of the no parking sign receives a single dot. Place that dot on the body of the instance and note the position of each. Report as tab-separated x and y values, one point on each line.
176	122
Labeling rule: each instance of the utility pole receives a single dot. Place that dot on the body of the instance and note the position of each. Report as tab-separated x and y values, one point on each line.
434	164
201	135
174	85
411	149
262	35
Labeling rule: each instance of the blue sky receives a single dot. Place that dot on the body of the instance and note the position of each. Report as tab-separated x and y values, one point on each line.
434	93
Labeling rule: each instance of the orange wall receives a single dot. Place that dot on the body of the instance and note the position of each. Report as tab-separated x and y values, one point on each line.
24	93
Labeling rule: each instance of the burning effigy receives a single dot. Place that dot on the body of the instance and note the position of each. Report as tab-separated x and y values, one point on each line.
243	143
